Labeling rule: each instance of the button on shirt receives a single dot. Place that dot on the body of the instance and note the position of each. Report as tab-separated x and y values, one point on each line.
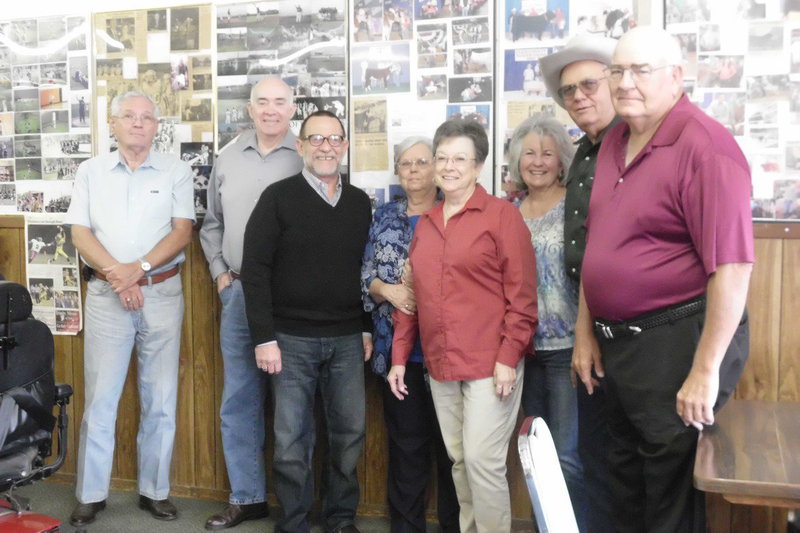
579	189
239	177
130	212
475	286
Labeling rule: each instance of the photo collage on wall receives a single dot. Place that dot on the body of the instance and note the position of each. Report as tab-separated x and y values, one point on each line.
45	112
529	30
52	266
744	71
166	53
413	64
302	41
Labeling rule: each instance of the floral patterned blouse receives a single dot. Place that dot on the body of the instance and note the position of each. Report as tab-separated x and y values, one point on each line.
384	257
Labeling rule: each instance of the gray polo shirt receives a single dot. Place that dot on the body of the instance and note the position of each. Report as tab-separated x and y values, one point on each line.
130	212
239	177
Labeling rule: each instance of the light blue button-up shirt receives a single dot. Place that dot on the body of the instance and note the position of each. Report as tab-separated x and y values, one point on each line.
129	212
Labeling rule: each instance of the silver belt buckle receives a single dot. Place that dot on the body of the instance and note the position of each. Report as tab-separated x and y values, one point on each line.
607	333
635	329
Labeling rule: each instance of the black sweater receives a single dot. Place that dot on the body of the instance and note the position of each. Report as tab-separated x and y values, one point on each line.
302	262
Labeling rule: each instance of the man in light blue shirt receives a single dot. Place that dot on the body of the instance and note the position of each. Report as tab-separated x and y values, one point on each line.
131	215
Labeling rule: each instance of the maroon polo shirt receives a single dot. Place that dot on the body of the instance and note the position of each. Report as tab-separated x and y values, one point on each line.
660	227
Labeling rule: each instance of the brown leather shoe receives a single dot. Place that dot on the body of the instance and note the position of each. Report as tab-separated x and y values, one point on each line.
234	515
160	509
85	513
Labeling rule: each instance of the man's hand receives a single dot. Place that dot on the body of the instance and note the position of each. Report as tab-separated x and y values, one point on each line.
505	380
696	398
123	275
585	356
223	280
586	352
367	340
397	383
268	358
132	298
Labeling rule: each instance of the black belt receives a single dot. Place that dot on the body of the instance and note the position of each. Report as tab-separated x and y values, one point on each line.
614	329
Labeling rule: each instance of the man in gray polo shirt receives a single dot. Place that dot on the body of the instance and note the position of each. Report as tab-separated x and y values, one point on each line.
131	215
242	171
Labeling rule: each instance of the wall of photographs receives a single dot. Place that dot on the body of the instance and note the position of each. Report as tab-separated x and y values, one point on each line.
166	53
528	30
302	41
744	70
45	109
413	64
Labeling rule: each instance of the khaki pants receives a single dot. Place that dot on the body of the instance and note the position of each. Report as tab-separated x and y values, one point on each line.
476	428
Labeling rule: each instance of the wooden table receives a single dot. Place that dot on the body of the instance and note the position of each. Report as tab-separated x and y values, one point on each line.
752	454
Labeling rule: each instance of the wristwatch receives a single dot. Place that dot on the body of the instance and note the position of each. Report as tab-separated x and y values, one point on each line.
145	265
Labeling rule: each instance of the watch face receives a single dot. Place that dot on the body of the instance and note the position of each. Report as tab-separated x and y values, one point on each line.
145	266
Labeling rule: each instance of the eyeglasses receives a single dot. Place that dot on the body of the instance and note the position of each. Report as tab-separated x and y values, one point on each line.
130	118
406	164
459	160
317	139
638	72
588	87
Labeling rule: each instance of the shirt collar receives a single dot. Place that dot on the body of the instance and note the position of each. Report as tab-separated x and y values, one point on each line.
672	126
584	141
320	185
115	159
249	140
477	201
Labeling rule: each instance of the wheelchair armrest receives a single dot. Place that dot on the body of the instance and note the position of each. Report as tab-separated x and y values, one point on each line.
63	393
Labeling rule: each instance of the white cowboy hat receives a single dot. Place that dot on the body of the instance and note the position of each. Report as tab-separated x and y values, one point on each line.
582	47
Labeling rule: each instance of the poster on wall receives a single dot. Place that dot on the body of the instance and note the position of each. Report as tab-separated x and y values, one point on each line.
45	113
53	274
529	30
744	71
165	53
414	64
302	41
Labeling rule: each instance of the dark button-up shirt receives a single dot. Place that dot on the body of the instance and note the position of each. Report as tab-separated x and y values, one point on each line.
576	205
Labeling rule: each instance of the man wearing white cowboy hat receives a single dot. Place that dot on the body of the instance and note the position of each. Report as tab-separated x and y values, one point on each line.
575	77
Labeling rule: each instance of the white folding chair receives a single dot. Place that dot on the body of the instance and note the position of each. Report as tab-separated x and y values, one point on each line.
551	504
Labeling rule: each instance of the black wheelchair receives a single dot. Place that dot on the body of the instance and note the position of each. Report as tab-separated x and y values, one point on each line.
28	394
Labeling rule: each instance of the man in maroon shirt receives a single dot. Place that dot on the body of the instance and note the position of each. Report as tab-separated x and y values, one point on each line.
665	276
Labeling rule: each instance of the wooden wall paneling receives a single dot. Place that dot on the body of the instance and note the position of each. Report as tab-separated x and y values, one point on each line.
789	368
375	459
62	365
718	513
183	457
204	335
760	378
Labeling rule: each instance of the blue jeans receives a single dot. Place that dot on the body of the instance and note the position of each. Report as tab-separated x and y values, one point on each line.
548	393
336	366
242	410
110	334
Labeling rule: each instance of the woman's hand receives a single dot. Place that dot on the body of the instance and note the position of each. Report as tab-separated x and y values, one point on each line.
396	379
505	380
401	297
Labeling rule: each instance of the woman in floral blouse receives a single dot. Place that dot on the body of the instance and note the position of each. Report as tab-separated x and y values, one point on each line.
411	423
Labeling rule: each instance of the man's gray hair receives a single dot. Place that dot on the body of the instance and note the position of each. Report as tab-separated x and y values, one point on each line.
401	147
116	103
545	126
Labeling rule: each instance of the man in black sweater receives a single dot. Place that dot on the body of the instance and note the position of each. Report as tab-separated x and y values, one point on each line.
300	273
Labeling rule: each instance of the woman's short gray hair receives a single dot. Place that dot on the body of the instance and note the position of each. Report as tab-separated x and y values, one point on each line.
545	126
116	103
401	147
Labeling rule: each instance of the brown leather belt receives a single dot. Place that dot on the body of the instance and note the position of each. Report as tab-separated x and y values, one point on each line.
234	275
148	280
